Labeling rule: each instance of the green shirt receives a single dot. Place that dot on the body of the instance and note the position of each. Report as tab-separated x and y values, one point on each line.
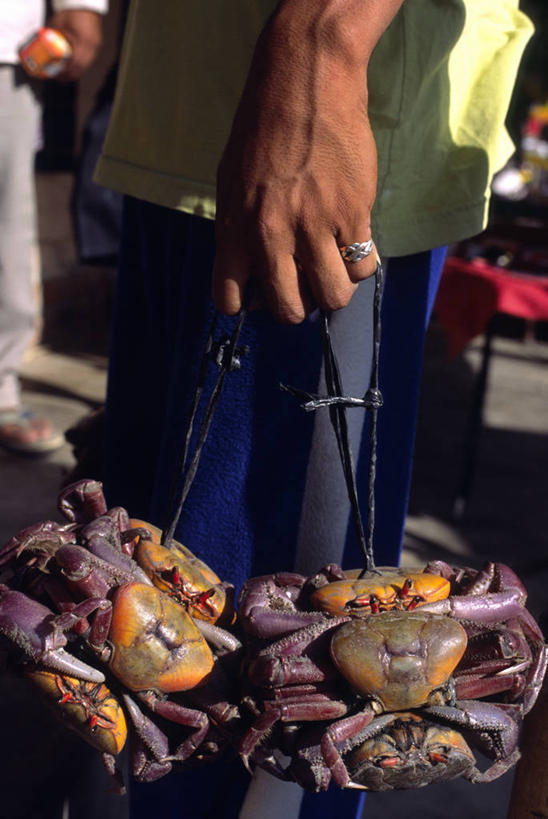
439	85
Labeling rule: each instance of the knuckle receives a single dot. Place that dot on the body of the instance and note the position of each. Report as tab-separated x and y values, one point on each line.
268	231
269	225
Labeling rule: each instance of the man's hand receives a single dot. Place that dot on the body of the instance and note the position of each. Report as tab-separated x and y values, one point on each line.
298	176
83	30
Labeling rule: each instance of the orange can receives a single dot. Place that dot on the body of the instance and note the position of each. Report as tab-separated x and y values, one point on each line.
45	54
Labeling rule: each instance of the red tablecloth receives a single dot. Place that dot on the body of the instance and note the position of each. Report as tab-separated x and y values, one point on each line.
471	293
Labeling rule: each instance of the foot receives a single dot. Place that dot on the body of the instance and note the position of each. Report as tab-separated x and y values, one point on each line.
25	433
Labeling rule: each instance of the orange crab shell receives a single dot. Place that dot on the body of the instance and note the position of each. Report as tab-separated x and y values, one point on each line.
181	551
156	645
88	708
399	658
393	588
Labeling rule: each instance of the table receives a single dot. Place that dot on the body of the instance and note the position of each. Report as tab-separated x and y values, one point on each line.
471	296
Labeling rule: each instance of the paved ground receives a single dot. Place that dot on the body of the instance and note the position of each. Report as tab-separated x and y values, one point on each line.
507	519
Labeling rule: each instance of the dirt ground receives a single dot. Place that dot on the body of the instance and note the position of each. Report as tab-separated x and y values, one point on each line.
506	520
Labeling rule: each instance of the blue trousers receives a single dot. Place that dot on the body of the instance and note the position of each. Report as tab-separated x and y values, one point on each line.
269	494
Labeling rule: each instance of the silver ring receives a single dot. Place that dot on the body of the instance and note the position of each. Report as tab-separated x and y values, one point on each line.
357	251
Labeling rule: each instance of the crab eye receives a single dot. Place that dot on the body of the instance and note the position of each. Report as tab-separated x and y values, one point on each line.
374	603
414	602
435	757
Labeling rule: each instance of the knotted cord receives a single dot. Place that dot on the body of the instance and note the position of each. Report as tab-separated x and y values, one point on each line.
338	403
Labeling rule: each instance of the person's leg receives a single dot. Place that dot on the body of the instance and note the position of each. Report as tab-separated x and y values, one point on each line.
254	504
258	491
243	512
410	289
19	112
18	131
243	509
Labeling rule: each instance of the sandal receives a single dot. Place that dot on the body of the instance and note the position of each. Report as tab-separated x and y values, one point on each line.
26	433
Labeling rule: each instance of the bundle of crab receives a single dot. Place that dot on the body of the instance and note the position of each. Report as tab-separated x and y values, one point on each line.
388	679
121	635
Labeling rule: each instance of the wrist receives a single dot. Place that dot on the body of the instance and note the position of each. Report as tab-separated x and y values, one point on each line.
345	30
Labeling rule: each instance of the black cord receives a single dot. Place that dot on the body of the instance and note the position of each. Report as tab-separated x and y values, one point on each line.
338	403
226	354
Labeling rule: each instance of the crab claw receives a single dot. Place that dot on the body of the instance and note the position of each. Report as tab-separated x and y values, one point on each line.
38	633
60	660
83	501
150	746
494	728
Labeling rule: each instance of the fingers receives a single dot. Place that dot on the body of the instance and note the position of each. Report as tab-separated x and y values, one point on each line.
296	268
290	284
231	273
261	249
282	288
326	273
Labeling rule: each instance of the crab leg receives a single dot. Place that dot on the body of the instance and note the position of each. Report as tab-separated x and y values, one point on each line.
493	728
268	607
217	636
283	662
488	608
41	540
100	546
314	707
341	731
189	717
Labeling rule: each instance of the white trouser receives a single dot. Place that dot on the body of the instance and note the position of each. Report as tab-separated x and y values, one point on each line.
19	117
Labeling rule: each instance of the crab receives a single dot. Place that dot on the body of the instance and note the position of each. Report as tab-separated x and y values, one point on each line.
412	750
387	643
271	605
506	651
385	589
88	708
147	643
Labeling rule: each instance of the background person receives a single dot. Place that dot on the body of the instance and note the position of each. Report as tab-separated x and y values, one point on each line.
22	431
